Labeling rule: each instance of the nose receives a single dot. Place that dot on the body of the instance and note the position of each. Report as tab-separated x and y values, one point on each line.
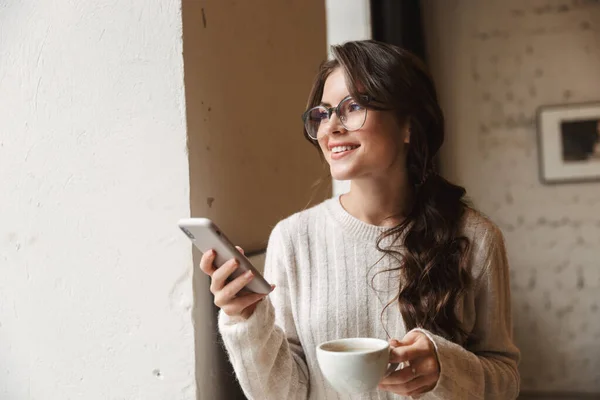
332	126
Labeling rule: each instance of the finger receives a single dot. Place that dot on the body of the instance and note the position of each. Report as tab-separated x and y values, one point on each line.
421	391
207	262
409	353
416	341
426	366
400	377
219	277
417	368
229	291
412	336
240	249
420	383
408	339
239	304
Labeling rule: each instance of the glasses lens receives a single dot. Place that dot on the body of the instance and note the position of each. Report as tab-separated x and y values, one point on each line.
314	121
352	114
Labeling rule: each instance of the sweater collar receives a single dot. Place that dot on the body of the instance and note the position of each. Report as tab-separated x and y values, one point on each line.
354	226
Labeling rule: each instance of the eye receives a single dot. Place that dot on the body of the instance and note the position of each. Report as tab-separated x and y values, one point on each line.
349	105
318	114
354	106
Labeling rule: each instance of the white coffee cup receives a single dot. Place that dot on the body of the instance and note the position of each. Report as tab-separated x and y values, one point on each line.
355	365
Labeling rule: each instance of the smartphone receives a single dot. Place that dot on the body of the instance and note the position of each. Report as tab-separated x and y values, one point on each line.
206	235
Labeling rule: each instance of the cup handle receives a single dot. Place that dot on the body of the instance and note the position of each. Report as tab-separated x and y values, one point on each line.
392	368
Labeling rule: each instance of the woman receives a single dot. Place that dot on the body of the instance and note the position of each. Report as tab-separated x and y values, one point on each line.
401	256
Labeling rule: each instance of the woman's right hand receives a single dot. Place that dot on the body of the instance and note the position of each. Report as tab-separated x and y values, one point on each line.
227	294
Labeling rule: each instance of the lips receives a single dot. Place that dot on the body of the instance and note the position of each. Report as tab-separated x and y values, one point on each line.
333	145
341	150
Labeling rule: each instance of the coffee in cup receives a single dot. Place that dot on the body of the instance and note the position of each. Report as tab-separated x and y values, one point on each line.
355	365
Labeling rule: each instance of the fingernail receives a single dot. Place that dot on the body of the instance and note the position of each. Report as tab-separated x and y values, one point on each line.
249	274
211	252
272	287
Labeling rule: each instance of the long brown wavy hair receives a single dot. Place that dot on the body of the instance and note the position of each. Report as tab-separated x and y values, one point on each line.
433	253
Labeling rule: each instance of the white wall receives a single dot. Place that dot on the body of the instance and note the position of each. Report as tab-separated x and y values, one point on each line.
496	62
347	20
95	290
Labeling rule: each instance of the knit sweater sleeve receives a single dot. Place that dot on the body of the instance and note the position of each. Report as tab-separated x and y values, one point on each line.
265	350
486	367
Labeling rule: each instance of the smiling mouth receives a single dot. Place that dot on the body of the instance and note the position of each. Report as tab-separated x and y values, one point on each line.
339	152
343	149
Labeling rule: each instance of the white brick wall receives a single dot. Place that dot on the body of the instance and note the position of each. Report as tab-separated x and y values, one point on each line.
496	62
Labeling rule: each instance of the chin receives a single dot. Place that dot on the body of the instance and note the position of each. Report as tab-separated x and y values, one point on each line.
342	174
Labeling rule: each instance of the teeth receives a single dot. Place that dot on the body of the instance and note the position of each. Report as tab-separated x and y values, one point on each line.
339	149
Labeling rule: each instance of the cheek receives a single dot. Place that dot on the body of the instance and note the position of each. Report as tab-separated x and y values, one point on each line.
386	152
382	128
382	149
323	147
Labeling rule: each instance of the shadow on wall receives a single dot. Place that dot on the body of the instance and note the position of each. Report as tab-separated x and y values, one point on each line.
248	70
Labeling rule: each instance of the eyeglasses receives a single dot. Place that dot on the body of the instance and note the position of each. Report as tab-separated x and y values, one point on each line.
351	114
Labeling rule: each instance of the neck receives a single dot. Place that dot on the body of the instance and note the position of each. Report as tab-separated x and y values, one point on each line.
381	202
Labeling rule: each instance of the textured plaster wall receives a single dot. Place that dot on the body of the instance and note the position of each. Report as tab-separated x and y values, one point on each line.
95	288
496	62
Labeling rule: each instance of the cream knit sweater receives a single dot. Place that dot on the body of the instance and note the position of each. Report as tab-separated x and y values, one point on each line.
325	263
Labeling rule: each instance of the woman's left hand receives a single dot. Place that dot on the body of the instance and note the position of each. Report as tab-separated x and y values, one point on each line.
423	372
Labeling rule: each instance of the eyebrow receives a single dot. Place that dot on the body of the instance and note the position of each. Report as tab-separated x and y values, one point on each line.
325	104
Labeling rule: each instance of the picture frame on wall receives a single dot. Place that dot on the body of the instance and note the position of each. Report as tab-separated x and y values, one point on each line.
569	143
